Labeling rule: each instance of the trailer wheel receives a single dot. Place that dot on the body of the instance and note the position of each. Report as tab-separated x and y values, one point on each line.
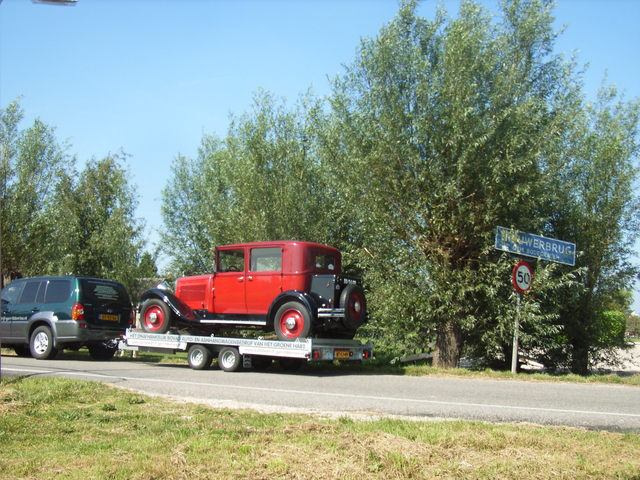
199	357
155	317
229	359
292	321
259	362
290	364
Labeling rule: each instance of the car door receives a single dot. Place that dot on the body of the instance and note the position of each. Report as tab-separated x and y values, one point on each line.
264	279
29	303
10	296
229	282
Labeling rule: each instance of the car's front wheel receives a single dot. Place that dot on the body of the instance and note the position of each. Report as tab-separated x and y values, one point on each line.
155	316
292	321
41	344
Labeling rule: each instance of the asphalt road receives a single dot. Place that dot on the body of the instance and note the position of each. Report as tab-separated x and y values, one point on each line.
606	407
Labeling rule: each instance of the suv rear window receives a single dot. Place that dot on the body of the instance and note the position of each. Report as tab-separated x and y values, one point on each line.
58	291
96	291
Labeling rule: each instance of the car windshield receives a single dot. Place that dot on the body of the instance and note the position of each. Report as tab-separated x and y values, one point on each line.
100	291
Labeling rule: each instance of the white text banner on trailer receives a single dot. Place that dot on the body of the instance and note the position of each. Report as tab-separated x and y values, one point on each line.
535	246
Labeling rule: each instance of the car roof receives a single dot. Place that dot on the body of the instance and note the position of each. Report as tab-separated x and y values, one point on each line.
278	243
65	277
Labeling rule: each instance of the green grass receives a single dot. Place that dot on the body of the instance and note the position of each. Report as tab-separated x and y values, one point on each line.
69	429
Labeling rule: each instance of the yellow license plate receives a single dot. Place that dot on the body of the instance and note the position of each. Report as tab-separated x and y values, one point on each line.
341	354
108	317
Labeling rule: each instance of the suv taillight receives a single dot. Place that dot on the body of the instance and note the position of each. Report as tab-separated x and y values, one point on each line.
132	317
77	312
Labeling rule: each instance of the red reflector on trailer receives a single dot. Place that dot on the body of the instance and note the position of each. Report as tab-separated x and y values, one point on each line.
366	354
316	354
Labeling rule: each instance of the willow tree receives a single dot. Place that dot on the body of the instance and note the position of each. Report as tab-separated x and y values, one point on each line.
263	181
32	163
444	131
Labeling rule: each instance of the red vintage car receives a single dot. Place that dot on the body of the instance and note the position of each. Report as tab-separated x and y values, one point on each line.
294	288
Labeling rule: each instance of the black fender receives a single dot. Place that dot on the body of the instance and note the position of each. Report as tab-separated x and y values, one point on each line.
177	306
307	300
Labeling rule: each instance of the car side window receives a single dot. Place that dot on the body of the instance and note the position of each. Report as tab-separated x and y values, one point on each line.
230	261
32	293
11	293
58	291
266	259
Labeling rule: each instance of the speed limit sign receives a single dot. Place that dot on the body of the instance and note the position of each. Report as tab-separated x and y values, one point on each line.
522	277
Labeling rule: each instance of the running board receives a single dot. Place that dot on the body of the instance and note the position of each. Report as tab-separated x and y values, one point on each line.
259	323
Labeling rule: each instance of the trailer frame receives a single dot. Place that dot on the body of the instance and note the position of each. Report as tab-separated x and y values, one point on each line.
234	353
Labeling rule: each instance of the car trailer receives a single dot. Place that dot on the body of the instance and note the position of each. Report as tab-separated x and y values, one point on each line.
235	353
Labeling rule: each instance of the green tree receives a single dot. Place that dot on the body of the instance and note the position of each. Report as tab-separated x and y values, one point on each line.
263	182
601	214
95	212
32	164
446	126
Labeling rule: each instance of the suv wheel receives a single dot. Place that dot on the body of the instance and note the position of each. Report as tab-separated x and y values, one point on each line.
22	350
102	351
41	344
155	317
292	321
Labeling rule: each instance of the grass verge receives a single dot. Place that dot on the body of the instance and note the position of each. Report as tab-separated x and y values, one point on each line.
61	428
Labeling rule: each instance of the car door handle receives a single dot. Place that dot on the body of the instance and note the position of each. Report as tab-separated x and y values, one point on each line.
249	278
240	279
35	309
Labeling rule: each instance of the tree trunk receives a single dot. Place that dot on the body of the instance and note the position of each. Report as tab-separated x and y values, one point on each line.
579	359
448	345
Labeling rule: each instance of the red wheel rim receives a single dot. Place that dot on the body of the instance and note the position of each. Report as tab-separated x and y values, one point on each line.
355	306
291	323
153	318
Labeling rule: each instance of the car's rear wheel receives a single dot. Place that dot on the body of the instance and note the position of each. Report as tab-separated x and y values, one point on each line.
155	317
292	321
41	344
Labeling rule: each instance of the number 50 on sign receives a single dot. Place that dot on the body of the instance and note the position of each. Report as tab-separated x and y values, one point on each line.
522	277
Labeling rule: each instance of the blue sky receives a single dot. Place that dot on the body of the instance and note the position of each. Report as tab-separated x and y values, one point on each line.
150	77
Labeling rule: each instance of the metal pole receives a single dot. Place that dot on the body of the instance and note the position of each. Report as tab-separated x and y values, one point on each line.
516	326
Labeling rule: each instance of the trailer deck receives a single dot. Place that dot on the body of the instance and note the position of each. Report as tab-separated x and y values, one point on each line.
234	352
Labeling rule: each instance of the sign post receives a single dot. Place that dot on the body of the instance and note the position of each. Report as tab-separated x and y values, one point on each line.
535	246
522	279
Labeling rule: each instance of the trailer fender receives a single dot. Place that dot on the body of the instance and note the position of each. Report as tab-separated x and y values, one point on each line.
177	306
307	300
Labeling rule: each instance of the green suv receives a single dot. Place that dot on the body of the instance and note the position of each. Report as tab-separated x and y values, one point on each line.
43	315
